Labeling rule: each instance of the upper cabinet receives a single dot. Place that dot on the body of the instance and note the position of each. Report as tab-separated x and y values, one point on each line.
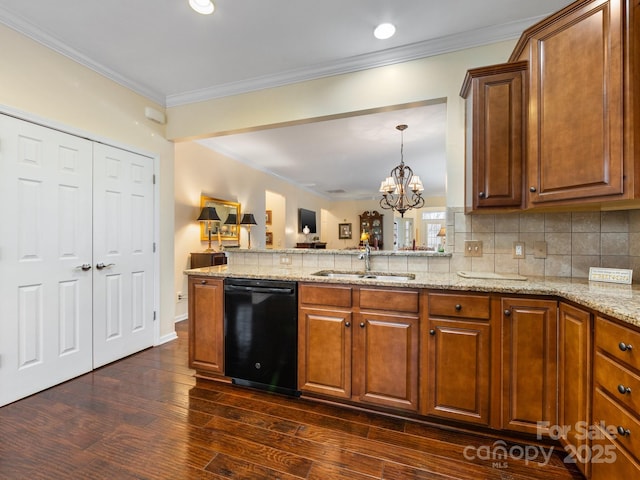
495	104
581	104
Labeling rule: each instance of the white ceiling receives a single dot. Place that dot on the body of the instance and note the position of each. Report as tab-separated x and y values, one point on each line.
170	54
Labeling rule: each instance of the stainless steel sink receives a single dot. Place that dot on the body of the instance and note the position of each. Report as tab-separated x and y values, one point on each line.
398	277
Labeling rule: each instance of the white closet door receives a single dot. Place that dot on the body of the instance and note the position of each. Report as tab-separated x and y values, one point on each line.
45	240
123	243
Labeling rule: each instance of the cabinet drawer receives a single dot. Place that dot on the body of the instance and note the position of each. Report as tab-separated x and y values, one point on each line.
390	299
617	421
330	295
618	341
620	382
459	305
608	461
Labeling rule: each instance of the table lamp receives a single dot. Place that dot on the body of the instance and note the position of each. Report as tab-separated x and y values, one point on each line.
208	214
248	220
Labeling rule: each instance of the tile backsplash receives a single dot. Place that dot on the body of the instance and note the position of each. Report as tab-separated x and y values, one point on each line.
555	245
574	241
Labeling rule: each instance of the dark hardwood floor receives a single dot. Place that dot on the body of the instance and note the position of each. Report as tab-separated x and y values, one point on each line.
148	417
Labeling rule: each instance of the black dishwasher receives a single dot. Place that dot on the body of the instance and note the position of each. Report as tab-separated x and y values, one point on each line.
261	334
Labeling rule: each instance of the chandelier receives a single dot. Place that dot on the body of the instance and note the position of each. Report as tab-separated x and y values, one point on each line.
401	190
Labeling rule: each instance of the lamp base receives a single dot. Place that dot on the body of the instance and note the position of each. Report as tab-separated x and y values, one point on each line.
210	250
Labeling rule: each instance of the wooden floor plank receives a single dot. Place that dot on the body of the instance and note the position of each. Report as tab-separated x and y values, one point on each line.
148	417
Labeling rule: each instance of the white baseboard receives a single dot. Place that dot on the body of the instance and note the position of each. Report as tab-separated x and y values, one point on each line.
167	338
181	318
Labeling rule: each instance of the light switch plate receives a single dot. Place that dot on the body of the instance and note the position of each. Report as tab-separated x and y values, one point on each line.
473	248
518	250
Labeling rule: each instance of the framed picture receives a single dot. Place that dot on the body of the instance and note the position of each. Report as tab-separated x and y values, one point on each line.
269	238
268	217
344	231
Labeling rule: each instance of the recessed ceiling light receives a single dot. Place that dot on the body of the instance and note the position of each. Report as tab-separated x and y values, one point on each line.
205	7
384	31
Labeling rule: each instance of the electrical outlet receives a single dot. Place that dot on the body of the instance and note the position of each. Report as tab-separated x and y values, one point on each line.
518	249
285	260
473	248
179	296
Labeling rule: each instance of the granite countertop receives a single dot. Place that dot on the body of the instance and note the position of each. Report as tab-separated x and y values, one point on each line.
617	301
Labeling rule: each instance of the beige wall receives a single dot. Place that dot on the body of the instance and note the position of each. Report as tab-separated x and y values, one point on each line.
200	170
44	85
438	77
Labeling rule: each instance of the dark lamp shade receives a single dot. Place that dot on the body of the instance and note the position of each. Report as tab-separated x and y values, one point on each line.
247	219
232	219
208	213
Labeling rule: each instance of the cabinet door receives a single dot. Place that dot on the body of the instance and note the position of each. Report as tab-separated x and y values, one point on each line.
575	130
458	367
574	378
324	352
387	360
495	143
206	324
530	379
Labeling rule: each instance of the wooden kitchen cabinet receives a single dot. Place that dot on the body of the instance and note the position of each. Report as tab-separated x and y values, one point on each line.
616	403
529	364
582	112
457	359
574	378
495	114
582	108
387	352
206	325
359	344
325	339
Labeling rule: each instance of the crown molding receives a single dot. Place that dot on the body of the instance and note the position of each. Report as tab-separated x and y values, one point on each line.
437	46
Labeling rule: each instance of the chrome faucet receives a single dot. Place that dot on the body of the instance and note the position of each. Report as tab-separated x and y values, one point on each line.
366	255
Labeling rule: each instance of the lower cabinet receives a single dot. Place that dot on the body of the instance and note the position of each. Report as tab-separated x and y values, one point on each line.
206	324
529	365
386	359
574	378
457	358
324	351
359	344
616	403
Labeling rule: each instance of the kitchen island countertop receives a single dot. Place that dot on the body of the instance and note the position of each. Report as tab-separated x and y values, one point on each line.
617	301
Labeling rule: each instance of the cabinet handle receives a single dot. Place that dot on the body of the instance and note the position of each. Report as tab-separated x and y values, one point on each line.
458	307
533	189
482	194
362	325
622	389
624	347
507	313
432	332
347	324
84	267
203	282
624	432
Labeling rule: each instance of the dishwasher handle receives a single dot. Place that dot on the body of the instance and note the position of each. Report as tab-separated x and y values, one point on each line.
276	290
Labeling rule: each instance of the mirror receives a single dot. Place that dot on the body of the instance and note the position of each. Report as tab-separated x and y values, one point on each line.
229	225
